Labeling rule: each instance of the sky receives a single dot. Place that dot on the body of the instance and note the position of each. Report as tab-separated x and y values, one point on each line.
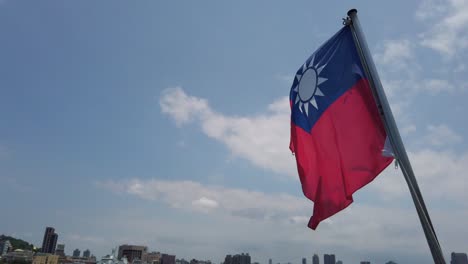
166	123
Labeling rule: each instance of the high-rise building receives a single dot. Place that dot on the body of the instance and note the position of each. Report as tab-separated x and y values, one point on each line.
132	252
76	253
315	259
243	258
50	241
167	259
459	258
228	259
86	253
60	250
304	261
339	262
53	243
46	259
365	262
329	259
5	247
270	261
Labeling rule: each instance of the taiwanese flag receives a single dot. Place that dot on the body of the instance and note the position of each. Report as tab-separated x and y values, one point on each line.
337	135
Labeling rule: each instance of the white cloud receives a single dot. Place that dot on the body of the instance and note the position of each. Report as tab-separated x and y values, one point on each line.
404	90
262	139
395	53
299	219
204	204
439	174
181	107
442	174
436	86
448	29
193	196
428	9
441	136
410	128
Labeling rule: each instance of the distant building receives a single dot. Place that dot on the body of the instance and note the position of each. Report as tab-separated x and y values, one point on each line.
154	258
365	262
76	253
50	241
459	258
45	259
181	261
339	262
60	250
329	259
132	252
228	259
196	261
5	247
270	261
391	262
304	261
315	259
18	255
243	258
86	253
167	259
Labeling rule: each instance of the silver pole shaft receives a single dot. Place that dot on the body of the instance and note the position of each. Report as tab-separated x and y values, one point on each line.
395	138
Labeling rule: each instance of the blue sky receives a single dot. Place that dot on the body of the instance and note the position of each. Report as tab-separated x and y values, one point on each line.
166	123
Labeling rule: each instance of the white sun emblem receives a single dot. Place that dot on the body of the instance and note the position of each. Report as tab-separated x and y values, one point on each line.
308	86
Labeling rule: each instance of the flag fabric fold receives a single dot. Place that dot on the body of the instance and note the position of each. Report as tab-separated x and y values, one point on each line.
337	134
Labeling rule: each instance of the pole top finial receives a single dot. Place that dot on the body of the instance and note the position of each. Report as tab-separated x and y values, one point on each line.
354	10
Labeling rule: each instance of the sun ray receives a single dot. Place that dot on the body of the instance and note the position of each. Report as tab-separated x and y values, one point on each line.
306	107
296	89
321	80
300	106
312	60
319	70
298	77
314	102
297	99
318	92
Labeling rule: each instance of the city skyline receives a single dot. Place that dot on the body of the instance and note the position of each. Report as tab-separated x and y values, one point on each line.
142	255
167	124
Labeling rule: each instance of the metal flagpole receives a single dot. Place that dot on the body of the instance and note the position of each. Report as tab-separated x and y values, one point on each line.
394	137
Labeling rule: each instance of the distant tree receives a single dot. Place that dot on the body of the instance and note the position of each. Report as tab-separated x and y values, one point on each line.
17	243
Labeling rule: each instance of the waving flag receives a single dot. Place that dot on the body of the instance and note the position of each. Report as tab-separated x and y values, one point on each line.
337	135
